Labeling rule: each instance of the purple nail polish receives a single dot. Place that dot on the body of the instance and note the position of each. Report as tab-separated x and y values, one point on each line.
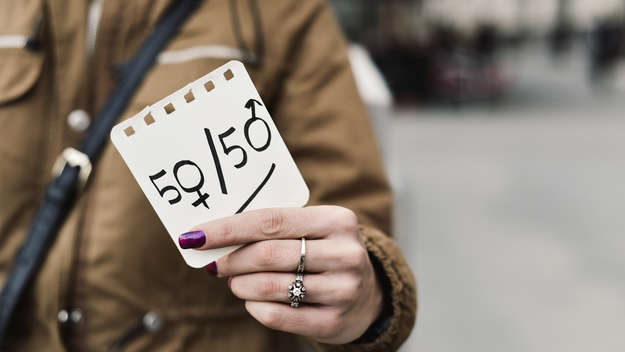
194	239
212	268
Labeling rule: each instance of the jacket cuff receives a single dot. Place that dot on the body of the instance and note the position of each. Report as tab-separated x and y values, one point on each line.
398	284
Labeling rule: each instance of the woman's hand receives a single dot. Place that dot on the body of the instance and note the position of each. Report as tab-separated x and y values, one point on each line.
343	296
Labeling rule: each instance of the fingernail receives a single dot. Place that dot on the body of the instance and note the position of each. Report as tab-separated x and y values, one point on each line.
194	239
230	282
211	268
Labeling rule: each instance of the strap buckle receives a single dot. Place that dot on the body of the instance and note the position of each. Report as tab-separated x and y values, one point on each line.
74	158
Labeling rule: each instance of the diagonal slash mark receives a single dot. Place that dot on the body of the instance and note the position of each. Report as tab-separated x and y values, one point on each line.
260	186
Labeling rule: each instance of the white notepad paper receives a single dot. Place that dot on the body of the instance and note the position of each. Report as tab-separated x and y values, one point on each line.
207	151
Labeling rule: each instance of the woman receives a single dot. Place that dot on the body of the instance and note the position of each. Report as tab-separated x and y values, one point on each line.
112	279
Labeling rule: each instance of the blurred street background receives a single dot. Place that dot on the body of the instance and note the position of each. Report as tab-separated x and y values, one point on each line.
502	127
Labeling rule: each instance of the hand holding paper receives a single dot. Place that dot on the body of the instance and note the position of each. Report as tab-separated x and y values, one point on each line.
343	296
210	154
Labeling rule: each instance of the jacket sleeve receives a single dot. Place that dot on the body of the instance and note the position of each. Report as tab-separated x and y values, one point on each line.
327	129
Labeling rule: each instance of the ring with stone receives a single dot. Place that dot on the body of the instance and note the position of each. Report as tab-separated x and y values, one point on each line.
297	291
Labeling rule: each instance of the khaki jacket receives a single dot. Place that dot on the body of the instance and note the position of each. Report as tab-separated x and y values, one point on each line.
113	261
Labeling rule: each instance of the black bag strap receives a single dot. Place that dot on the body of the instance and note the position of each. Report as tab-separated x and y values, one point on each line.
75	165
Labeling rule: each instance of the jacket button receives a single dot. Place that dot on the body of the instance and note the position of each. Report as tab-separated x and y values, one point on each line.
152	322
78	120
75	316
62	316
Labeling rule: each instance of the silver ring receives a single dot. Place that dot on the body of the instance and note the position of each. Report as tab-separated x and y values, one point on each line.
297	291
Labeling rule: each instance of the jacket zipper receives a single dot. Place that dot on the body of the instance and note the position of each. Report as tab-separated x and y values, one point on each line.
93	22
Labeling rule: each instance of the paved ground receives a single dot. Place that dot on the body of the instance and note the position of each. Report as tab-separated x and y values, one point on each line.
513	219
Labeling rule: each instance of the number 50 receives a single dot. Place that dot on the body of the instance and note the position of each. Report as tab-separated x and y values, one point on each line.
246	132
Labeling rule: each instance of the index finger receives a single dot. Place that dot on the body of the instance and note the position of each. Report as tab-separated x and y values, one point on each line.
272	223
